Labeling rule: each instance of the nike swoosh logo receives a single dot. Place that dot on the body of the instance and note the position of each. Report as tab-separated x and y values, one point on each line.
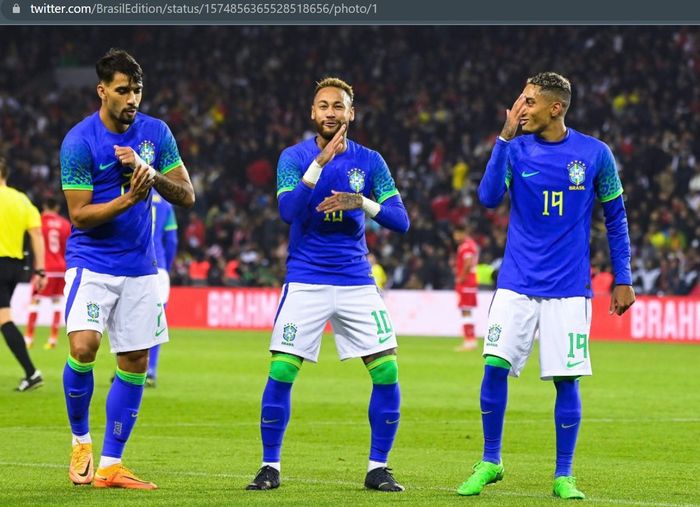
487	412
134	415
571	365
382	340
72	395
566	426
527	175
269	421
158	333
87	469
387	421
107	166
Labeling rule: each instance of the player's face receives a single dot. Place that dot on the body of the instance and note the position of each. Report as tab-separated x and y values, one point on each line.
538	110
121	97
331	109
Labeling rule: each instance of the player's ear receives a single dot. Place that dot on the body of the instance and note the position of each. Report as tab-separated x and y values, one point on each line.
352	113
313	113
101	91
556	109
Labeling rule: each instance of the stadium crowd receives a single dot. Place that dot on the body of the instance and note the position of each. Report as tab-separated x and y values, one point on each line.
430	99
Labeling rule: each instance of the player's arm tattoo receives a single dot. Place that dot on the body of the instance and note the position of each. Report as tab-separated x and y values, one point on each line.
349	201
176	187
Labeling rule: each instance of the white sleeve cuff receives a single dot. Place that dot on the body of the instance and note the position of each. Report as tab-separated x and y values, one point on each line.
371	207
313	173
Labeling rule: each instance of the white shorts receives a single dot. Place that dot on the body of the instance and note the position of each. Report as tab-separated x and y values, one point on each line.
358	316
163	285
129	307
564	326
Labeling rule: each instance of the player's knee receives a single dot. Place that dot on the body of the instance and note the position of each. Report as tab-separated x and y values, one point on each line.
498	362
384	370
285	367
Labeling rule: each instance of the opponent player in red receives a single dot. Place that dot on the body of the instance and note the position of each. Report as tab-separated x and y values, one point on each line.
466	259
55	230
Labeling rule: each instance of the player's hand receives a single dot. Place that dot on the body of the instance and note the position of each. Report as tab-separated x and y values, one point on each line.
513	115
128	157
340	201
334	146
141	184
39	283
622	298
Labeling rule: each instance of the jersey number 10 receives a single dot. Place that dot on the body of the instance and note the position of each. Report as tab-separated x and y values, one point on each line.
557	201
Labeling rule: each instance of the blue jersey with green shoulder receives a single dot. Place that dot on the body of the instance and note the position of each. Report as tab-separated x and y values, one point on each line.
330	248
124	245
552	187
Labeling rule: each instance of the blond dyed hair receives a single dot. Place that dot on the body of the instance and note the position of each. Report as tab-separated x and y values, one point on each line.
335	82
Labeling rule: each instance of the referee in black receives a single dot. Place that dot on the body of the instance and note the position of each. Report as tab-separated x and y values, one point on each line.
17	216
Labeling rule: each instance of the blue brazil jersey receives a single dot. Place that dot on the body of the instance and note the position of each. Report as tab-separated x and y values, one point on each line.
330	248
163	218
552	188
124	245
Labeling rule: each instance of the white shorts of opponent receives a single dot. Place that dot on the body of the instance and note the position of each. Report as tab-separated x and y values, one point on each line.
357	314
129	307
564	326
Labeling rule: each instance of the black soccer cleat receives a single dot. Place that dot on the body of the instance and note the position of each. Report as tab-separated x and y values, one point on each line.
30	383
266	478
382	480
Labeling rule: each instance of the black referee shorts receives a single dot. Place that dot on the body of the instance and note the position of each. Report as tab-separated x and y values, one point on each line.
11	273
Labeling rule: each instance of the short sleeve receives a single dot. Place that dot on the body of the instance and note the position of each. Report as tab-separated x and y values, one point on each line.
288	172
76	165
169	155
383	185
171	221
607	183
33	215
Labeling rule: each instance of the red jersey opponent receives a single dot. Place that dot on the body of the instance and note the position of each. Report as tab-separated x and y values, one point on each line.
466	259
56	230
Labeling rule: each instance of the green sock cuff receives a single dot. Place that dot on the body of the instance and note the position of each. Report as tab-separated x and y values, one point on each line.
138	379
498	362
384	370
284	367
76	365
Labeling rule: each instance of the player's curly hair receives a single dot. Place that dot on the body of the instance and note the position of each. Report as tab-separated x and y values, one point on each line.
118	60
553	83
335	82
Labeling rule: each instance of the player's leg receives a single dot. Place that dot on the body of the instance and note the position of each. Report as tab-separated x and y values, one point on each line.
274	416
56	318
10	273
363	328
564	356
31	321
511	328
137	323
466	303
88	306
301	316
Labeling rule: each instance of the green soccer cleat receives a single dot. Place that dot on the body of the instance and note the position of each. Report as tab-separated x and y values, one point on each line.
565	487
485	473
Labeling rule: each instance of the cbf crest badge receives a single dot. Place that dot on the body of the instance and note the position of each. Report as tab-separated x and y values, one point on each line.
93	311
577	174
289	333
147	151
356	178
494	333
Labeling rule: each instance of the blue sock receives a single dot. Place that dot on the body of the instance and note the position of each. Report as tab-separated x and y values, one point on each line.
567	418
153	361
78	385
123	402
494	396
383	412
276	410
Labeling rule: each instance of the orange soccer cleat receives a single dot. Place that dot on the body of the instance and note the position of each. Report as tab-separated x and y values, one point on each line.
81	469
118	476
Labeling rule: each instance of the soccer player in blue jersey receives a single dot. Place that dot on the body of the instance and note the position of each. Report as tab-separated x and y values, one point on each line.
165	242
553	174
109	163
324	188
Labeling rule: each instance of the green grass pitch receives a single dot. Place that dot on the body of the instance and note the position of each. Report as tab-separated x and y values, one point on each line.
198	438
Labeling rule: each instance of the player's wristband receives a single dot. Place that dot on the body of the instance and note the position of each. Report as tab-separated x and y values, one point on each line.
503	139
151	173
313	173
371	207
41	273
